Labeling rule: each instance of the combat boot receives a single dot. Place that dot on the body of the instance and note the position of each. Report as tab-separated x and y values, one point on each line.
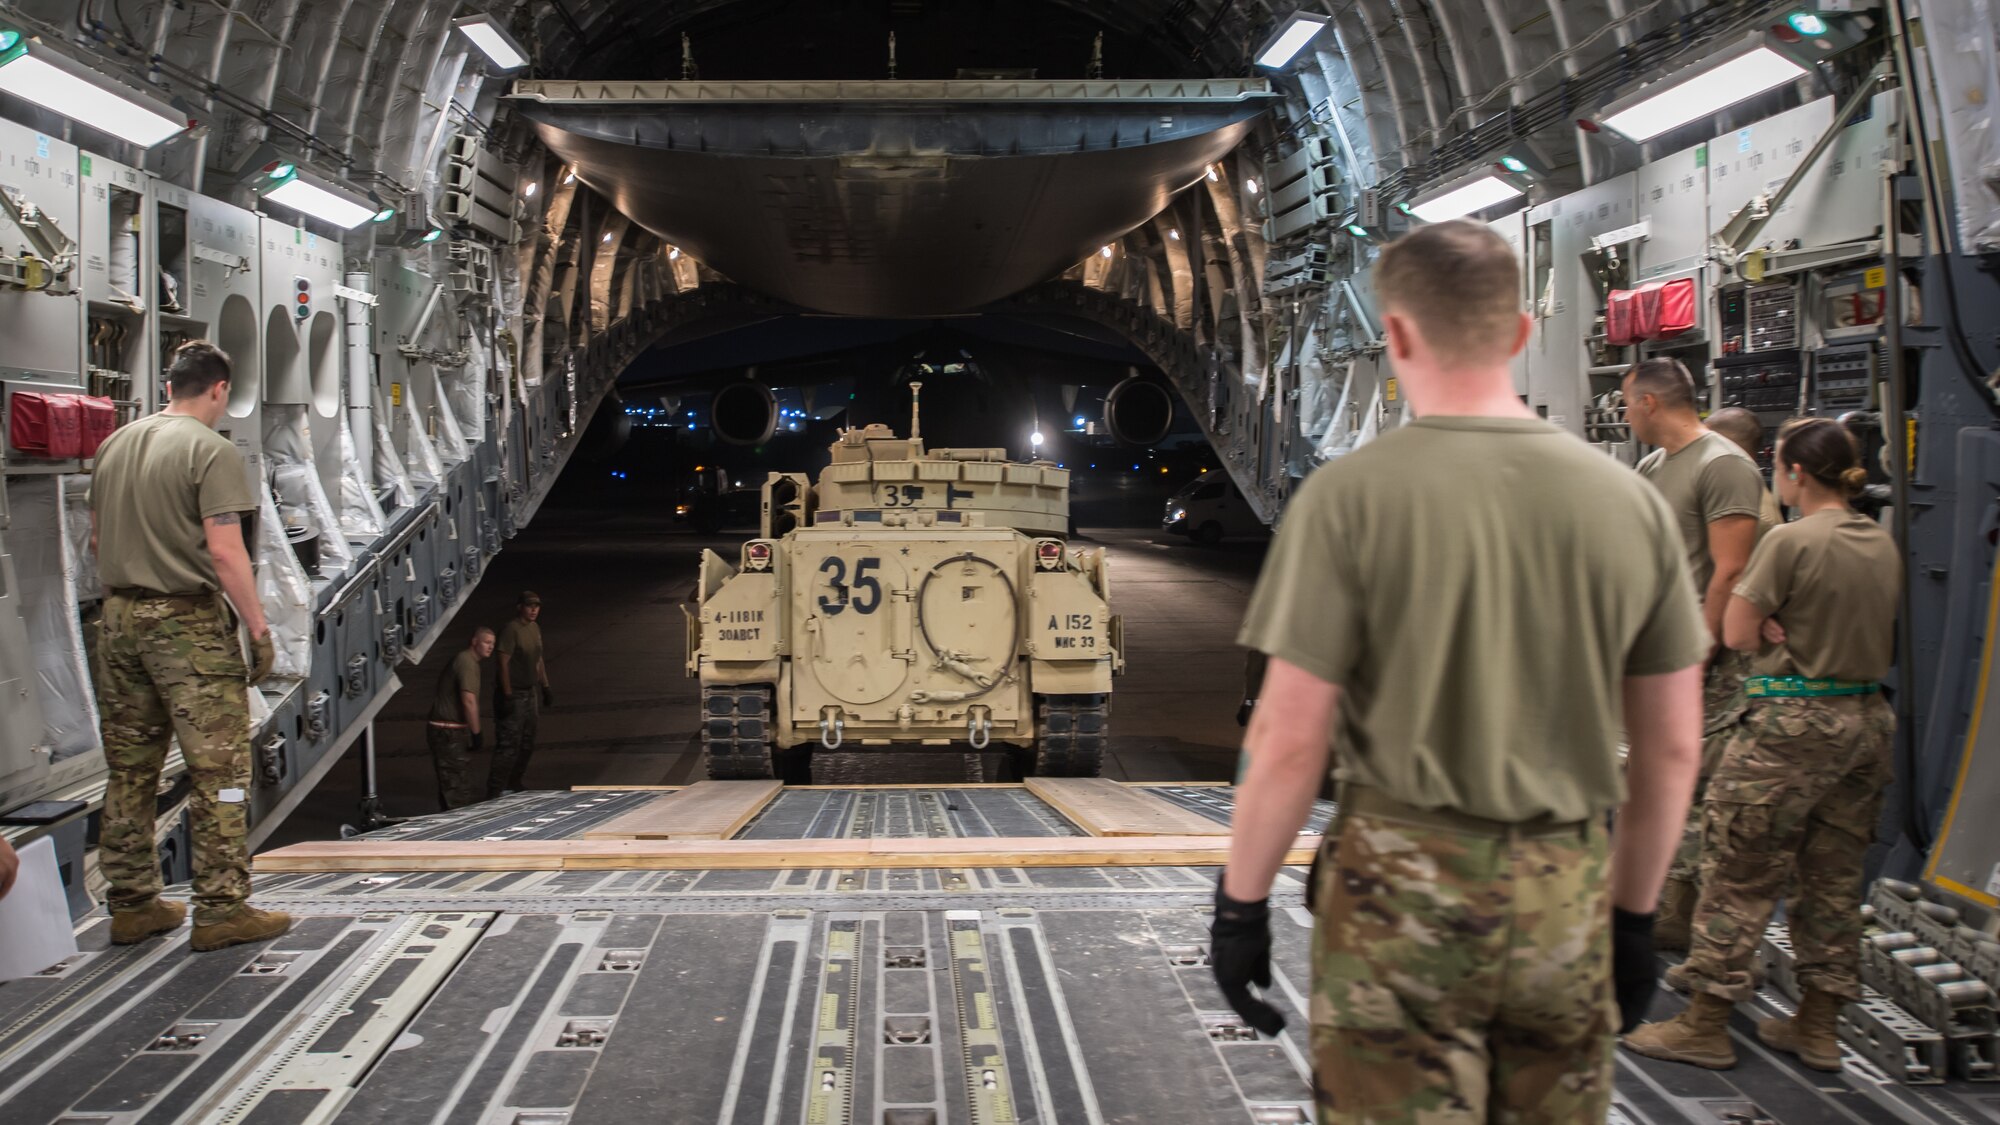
129	927
1813	1035
247	924
1698	1036
1676	917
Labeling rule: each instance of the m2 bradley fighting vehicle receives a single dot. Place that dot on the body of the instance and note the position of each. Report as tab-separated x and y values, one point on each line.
917	599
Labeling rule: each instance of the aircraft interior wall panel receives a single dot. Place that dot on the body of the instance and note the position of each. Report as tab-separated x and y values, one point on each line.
309	345
1558	363
43	331
1672	200
1841	198
1514	229
224	302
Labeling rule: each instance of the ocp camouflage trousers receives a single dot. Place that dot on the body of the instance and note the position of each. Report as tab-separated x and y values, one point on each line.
514	742
451	749
1801	783
172	666
1460	978
1722	704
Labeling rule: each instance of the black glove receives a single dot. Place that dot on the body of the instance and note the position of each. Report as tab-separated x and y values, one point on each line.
1312	879
1239	951
1635	968
478	742
548	696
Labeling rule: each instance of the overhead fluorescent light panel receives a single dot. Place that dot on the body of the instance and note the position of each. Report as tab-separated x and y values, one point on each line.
32	70
1290	38
493	41
314	196
1467	195
1702	90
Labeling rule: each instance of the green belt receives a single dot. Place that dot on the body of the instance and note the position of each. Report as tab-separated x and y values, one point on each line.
1798	687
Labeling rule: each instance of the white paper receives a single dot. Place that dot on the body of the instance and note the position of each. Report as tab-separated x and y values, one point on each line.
35	915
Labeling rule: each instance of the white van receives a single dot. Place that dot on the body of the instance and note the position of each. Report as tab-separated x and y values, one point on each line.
1208	509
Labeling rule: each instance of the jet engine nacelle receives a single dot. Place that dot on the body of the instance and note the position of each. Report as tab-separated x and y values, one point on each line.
743	413
1139	411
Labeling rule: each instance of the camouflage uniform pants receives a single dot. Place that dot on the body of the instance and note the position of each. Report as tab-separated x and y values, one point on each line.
1722	707
1462	977
1801	783
514	742
172	666
451	749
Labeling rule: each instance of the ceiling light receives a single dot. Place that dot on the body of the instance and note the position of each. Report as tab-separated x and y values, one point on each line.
32	71
1357	230
1700	90
1212	177
1513	164
1250	186
1290	38
673	253
607	236
434	235
1174	234
1106	251
498	46
1806	23
1035	439
529	191
1466	195
316	197
569	177
385	214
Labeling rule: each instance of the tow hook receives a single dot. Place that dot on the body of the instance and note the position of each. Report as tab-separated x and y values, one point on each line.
832	728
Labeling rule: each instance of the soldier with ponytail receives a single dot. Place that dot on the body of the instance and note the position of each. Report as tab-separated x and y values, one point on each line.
1801	781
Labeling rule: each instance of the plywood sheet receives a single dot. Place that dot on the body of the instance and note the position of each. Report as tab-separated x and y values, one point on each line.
1103	807
695	855
706	810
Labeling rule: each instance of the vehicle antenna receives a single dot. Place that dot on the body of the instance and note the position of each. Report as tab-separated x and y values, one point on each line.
916	424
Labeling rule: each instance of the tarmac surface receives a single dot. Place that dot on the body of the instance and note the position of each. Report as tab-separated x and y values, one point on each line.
612	583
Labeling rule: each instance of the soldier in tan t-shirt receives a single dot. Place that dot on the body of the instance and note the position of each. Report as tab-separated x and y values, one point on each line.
167	501
1717	495
453	730
1801	782
1482	600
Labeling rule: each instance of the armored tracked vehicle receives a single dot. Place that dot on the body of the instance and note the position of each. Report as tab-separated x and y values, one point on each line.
915	599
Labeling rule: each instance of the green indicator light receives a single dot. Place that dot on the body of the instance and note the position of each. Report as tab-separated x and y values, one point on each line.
434	235
1512	164
282	171
1404	207
1357	230
385	214
8	38
1805	23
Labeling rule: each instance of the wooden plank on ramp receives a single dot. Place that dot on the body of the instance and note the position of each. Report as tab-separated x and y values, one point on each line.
1103	807
706	810
695	855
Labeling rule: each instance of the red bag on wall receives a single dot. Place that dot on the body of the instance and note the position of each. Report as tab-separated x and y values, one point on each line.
1621	326
100	417
45	425
1675	311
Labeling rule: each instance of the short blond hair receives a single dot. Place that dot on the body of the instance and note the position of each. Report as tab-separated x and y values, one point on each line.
1460	283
